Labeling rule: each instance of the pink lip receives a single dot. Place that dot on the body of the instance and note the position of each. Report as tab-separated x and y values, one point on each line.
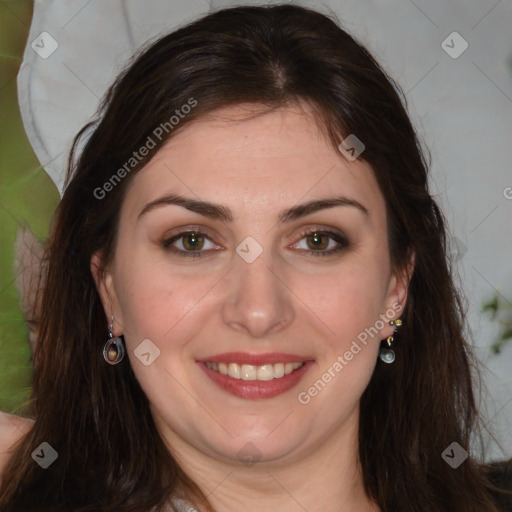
255	389
255	359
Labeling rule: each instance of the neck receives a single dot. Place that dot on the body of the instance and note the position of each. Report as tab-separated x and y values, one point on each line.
328	477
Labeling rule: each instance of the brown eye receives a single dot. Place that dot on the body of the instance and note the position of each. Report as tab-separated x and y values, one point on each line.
190	244
317	241
322	243
193	241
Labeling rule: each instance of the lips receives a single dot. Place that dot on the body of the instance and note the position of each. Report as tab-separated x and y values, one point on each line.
256	376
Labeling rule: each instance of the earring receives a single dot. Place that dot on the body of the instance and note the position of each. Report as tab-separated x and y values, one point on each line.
387	355
113	351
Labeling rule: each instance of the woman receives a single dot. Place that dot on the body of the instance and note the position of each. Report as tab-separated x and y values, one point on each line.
248	299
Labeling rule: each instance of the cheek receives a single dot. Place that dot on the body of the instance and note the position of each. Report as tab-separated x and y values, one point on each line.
349	304
159	304
347	299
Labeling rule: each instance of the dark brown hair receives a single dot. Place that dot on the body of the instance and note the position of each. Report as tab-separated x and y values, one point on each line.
97	417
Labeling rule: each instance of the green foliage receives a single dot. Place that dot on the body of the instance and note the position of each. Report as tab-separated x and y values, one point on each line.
500	310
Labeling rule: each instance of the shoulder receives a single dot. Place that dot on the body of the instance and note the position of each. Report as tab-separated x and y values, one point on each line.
12	428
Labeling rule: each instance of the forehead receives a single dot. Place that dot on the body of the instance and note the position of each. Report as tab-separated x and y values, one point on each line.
241	154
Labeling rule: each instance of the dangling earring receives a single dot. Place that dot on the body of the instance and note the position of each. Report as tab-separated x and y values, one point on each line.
113	351
387	355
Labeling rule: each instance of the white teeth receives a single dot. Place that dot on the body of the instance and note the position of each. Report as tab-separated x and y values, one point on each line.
251	372
266	372
278	370
234	371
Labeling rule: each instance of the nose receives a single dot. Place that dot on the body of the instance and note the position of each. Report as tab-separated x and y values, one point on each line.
258	301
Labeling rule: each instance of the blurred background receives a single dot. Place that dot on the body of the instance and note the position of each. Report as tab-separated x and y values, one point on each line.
28	198
453	61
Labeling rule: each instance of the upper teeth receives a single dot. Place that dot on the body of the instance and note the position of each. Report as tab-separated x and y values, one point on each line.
251	372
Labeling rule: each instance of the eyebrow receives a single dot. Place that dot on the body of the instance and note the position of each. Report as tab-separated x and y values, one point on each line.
217	211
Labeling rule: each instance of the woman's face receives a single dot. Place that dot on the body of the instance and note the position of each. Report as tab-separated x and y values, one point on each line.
249	289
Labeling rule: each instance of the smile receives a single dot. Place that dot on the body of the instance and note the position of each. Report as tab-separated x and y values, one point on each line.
255	377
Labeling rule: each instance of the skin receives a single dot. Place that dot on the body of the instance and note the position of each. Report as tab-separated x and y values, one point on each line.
285	301
12	429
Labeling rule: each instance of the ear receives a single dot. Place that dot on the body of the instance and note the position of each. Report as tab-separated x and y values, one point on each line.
104	279
396	296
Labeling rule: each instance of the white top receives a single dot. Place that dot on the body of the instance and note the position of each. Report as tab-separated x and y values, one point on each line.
181	505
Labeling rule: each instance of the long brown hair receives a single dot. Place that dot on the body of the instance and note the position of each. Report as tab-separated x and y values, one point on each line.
110	456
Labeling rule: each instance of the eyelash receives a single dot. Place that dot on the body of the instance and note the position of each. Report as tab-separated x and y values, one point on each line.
337	237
